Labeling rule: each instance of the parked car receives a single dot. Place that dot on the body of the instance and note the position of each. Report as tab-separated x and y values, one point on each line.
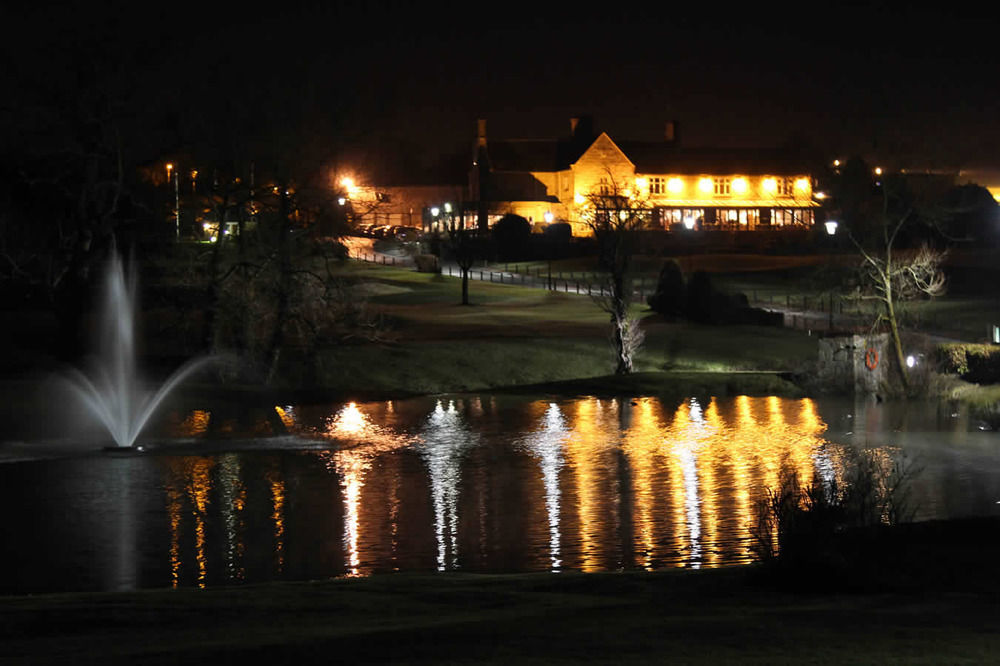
406	234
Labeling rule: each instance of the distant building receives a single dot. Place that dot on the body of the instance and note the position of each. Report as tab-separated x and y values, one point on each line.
725	189
403	205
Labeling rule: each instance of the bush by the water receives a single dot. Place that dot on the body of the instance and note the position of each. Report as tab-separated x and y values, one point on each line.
828	530
977	363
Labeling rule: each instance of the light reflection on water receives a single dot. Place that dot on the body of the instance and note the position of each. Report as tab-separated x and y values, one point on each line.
459	483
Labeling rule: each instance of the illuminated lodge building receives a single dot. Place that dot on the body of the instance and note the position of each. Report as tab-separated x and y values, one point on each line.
693	188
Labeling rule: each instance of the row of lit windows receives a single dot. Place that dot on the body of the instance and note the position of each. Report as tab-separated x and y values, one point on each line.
725	186
733	217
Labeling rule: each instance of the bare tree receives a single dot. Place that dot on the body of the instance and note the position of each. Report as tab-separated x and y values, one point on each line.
891	275
466	246
615	213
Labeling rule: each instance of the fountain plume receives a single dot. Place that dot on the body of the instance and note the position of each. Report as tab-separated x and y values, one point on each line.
113	392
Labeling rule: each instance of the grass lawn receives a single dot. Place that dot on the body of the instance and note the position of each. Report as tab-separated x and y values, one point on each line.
517	336
944	611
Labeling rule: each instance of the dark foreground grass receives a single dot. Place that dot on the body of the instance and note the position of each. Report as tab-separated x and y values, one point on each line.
947	611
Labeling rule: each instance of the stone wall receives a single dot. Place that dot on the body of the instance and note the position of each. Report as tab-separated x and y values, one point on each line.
842	363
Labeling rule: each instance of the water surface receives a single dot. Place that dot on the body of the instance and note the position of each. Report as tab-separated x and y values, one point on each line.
475	483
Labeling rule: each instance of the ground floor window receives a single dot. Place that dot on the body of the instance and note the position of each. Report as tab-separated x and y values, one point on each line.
737	219
790	217
731	219
677	217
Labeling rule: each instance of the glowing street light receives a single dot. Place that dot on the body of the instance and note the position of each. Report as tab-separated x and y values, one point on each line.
548	217
831	227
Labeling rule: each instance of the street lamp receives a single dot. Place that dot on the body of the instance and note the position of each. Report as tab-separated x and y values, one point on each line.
831	230
177	194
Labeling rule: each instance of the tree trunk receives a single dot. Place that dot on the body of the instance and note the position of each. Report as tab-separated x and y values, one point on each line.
465	286
284	289
212	304
622	348
896	343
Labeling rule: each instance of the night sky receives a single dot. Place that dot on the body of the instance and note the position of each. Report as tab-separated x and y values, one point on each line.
366	78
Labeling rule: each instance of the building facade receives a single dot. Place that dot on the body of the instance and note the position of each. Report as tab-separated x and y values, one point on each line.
693	188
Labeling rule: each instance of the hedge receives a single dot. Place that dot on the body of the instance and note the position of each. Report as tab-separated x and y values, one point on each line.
977	363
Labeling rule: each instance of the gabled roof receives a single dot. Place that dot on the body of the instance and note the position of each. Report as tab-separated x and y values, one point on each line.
604	138
649	157
534	154
664	157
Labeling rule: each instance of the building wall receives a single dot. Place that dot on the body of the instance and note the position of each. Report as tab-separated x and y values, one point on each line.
403	205
603	162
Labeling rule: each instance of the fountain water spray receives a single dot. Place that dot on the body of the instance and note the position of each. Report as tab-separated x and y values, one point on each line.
112	392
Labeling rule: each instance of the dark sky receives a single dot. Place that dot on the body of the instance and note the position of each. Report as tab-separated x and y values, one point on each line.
848	77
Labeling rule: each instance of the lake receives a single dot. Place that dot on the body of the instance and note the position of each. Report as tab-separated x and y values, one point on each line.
490	483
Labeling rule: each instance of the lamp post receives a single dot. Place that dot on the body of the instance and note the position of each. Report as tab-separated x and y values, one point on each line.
831	231
177	204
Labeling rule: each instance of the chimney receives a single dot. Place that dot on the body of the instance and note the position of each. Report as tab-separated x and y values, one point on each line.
671	131
481	132
582	127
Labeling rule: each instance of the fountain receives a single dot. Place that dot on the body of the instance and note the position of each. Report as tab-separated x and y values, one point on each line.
113	393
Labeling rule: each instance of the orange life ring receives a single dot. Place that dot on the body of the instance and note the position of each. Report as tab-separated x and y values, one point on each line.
871	359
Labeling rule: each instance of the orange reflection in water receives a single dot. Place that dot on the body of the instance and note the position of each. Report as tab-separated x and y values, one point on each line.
587	446
276	484
641	444
370	440
193	425
692	478
190	477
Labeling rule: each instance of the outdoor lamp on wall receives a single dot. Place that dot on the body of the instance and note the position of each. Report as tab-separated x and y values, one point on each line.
548	217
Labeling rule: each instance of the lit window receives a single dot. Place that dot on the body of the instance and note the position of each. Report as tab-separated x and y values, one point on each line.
656	186
722	186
